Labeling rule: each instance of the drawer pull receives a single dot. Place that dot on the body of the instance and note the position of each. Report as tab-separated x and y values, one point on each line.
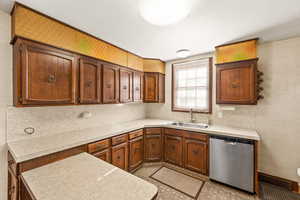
195	152
124	87
51	78
137	89
88	83
11	190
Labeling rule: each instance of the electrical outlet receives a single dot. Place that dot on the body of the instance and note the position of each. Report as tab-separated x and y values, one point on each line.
298	171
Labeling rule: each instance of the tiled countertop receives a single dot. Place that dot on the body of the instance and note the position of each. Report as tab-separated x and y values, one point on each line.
39	146
86	177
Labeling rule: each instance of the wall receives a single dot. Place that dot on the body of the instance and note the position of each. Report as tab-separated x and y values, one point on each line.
276	118
5	94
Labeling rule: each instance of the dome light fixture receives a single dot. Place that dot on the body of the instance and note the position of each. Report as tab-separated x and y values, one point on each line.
165	12
183	53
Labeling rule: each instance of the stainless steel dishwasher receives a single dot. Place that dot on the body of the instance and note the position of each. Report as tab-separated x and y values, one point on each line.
232	162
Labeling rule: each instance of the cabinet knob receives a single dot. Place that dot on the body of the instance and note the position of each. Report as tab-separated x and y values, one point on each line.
235	85
195	152
11	190
124	87
118	157
88	83
51	78
137	89
108	85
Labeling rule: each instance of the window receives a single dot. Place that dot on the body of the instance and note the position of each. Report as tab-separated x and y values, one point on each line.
192	86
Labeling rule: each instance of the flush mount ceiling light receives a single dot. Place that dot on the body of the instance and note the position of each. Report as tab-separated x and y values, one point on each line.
165	12
183	53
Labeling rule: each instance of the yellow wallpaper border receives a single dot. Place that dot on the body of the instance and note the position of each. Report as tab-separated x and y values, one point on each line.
34	25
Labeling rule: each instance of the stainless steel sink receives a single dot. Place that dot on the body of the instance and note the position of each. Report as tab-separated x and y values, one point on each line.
193	125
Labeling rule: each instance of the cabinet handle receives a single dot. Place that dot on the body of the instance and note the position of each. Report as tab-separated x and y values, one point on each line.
108	85
11	190
118	157
195	152
51	78
10	162
88	83
234	85
137	89
136	150
124	87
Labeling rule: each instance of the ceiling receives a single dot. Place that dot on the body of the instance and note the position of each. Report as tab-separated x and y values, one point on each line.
211	23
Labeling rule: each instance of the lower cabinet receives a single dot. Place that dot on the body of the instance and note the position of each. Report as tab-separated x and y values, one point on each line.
119	156
196	155
136	152
12	191
153	145
173	149
104	155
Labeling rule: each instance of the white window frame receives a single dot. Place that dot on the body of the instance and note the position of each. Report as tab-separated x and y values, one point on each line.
175	108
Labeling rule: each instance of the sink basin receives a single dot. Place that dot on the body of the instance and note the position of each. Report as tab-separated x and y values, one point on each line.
193	125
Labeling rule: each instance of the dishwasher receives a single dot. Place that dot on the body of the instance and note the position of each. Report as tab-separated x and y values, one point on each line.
232	162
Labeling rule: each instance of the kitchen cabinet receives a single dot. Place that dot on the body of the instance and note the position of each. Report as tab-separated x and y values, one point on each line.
136	152
173	149
154	87
104	155
43	75
119	156
196	155
90	81
12	191
153	144
138	80
238	83
126	78
110	83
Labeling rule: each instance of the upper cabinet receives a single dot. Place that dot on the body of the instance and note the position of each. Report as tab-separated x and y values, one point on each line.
237	78
126	77
138	81
110	83
154	85
90	81
43	75
236	82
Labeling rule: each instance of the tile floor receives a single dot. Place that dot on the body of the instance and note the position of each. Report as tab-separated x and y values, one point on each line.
210	190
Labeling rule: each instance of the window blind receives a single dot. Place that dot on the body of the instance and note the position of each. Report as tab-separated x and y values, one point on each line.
191	85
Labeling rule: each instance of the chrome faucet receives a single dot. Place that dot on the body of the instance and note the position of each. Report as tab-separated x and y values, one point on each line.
192	117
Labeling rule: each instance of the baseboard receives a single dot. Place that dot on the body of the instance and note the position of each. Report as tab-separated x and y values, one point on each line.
285	183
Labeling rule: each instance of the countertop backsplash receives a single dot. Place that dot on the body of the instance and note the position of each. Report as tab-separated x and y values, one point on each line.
53	120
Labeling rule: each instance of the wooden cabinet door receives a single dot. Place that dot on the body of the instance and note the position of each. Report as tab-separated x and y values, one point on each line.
236	83
173	149
110	83
119	156
136	152
151	87
138	79
126	78
90	81
12	191
104	155
153	147
161	88
196	155
48	75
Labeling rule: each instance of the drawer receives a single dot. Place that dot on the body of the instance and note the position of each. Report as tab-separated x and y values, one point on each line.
153	130
197	136
119	139
98	146
135	134
176	132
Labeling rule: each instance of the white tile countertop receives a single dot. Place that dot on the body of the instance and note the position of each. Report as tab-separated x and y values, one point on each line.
39	146
86	177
